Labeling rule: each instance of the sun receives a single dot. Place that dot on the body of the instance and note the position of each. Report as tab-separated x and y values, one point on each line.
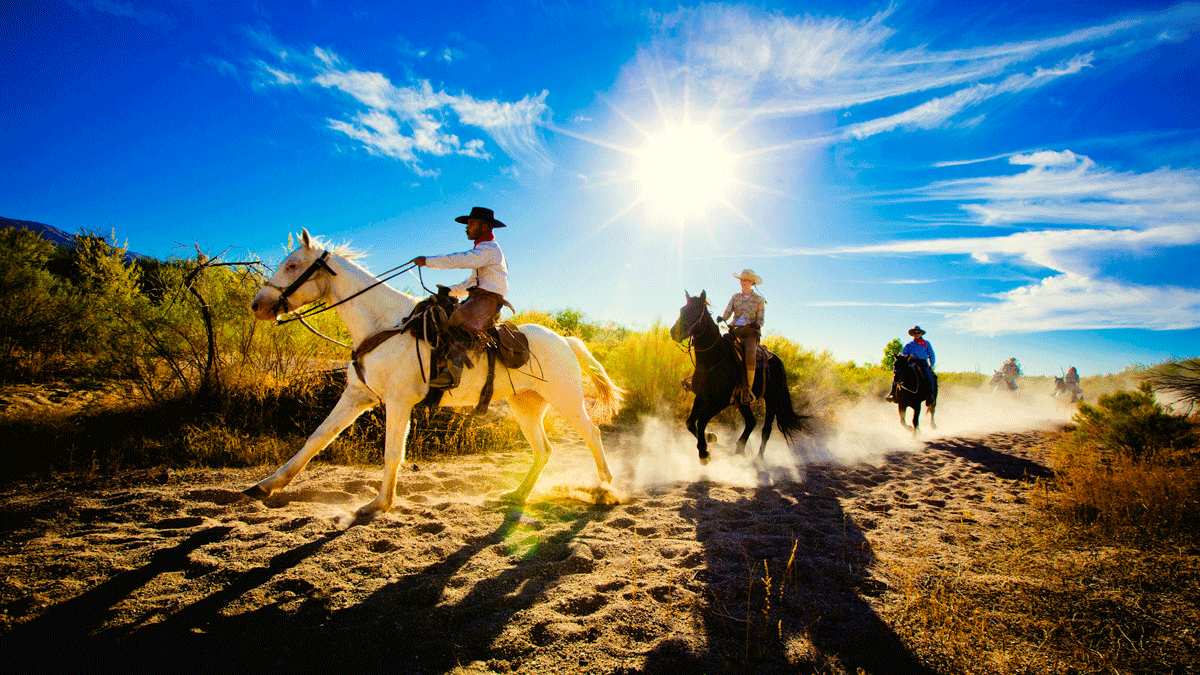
685	171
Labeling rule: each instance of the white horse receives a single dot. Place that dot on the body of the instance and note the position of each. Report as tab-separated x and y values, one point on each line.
393	373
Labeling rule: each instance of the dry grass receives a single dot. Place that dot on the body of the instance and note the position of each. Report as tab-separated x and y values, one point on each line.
1104	577
116	430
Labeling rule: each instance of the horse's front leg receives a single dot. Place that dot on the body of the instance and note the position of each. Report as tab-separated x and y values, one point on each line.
900	408
395	436
916	425
930	407
353	402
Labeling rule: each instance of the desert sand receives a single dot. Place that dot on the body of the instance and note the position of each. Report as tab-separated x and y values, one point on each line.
772	565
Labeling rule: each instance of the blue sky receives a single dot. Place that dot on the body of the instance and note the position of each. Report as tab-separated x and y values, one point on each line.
1020	179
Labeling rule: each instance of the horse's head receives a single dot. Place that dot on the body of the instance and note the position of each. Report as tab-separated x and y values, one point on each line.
1060	383
903	365
690	315
296	281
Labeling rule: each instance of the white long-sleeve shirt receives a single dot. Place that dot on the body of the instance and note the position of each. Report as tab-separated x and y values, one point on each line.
486	262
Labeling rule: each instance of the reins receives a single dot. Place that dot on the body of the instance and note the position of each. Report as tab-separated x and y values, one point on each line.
321	308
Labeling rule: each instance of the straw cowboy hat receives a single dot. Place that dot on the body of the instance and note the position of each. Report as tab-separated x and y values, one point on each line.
750	276
916	331
482	214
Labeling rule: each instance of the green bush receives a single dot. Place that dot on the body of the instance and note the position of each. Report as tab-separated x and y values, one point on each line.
39	315
1132	424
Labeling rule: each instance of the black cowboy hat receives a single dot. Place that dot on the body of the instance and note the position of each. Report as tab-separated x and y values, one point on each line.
482	214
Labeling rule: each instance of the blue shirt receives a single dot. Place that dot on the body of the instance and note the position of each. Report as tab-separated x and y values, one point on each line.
926	352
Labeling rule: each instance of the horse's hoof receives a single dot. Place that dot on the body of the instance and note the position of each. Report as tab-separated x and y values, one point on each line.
256	492
604	496
514	497
710	437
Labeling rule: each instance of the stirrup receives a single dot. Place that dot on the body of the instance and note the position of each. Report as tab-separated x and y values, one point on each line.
447	379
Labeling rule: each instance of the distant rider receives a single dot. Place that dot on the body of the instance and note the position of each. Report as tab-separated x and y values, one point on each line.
747	311
926	360
1011	370
1072	381
485	290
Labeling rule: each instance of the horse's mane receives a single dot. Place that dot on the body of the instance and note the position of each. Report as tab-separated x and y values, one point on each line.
343	249
349	254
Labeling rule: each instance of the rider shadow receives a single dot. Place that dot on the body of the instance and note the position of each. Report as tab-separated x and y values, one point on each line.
786	569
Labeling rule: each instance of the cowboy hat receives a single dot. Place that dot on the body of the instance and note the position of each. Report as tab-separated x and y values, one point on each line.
916	330
750	276
482	214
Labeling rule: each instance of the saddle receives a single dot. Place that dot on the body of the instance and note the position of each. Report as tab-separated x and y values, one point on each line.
428	321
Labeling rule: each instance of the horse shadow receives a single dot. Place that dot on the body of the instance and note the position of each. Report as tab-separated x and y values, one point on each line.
1003	465
786	573
404	625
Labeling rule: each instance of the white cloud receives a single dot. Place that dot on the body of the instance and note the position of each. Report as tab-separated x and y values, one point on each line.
937	112
1123	212
410	122
790	65
1073	302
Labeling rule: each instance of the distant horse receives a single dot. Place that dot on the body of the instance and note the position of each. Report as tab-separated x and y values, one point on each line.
1062	391
912	389
392	373
999	378
718	374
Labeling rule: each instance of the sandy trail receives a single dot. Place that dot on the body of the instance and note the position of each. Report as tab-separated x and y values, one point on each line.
178	571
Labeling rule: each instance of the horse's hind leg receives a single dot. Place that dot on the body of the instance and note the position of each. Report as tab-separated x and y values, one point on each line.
530	409
930	407
766	430
353	402
748	417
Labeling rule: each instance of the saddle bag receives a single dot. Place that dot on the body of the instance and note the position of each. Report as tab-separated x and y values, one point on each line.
512	345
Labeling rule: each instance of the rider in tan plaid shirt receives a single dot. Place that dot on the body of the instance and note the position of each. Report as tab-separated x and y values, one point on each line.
745	314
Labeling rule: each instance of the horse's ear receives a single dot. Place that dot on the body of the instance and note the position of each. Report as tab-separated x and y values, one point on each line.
704	296
305	237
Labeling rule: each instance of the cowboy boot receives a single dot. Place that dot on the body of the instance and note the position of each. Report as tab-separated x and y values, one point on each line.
748	391
452	373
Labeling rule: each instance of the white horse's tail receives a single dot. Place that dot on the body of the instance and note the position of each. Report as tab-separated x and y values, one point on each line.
608	394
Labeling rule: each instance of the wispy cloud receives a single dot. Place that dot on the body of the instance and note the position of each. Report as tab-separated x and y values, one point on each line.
1123	213
410	122
1073	302
938	111
771	64
146	16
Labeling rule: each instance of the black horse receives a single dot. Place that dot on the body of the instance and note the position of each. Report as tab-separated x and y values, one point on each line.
912	389
719	373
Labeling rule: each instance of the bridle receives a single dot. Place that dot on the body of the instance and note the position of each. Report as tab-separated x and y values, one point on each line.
691	338
281	305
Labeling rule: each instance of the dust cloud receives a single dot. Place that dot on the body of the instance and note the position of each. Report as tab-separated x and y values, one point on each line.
658	453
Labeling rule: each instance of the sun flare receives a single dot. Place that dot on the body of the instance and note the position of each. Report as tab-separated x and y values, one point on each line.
685	170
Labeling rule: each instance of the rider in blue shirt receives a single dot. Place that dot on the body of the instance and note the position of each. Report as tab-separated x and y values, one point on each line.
926	360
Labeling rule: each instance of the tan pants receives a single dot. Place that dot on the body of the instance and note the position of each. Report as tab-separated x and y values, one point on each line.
749	336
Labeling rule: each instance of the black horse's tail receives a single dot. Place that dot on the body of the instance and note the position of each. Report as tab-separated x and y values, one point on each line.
787	419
